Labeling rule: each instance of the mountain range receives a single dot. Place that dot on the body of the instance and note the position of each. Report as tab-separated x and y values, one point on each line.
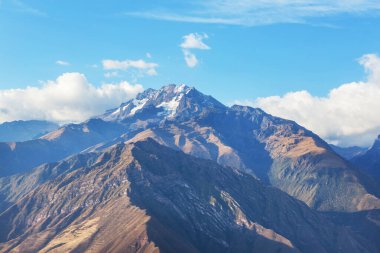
25	130
349	152
174	170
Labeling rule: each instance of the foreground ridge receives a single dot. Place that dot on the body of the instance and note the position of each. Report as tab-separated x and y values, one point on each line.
148	198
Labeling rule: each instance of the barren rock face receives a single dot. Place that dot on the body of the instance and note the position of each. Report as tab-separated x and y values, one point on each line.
144	197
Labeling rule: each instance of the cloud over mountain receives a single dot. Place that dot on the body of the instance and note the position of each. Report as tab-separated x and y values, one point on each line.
348	115
69	98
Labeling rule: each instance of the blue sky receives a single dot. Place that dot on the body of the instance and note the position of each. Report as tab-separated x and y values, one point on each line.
255	48
258	60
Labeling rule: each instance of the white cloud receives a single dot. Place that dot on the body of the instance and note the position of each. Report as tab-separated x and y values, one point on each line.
148	68
193	41
348	115
63	63
262	12
190	58
22	7
69	98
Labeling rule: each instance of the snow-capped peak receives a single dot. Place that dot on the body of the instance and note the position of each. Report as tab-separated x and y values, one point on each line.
166	100
169	102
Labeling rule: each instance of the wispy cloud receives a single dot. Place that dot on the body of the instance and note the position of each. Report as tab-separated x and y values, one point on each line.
21	7
94	66
111	74
187	18
148	68
190	59
193	41
262	12
62	63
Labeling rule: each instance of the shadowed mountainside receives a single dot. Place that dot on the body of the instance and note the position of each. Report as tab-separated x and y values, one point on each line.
370	160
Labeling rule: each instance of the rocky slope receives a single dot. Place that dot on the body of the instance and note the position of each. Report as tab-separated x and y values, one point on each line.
370	160
14	188
143	197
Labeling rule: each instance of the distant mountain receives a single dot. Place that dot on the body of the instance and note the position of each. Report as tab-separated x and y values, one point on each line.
348	152
370	160
25	130
278	152
144	197
19	157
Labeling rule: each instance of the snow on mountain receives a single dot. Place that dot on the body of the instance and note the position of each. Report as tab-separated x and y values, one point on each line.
167	103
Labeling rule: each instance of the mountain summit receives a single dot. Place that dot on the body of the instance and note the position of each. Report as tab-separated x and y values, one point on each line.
376	144
169	102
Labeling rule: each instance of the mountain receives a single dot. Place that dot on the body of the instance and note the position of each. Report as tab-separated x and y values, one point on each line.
348	152
144	197
276	151
170	103
19	157
365	223
25	130
370	160
14	188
